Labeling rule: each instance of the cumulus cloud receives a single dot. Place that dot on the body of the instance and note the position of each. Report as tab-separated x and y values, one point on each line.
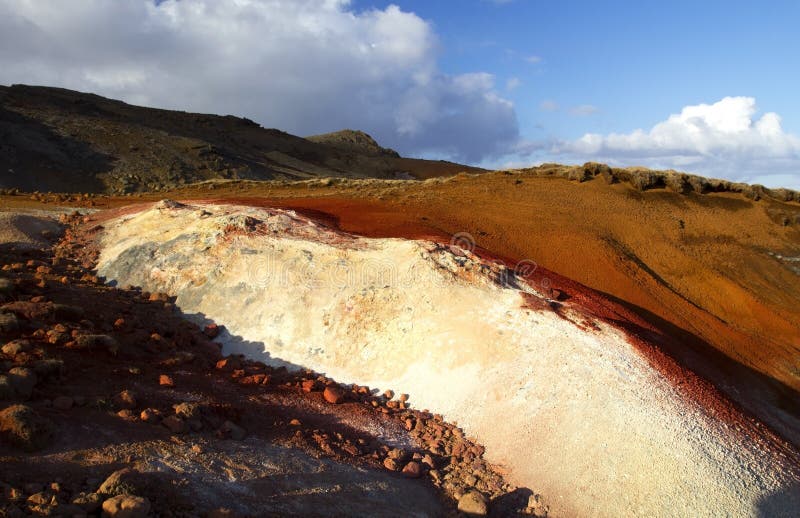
725	139
305	66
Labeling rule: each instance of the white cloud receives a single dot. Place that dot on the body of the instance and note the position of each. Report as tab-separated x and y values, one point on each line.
513	83
304	66
534	59
583	110
549	105
724	139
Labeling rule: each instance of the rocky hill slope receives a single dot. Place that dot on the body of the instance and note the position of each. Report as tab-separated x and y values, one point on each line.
59	140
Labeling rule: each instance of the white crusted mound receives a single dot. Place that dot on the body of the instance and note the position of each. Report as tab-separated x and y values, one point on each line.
577	415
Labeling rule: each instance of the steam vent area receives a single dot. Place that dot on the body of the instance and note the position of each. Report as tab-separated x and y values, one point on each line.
568	400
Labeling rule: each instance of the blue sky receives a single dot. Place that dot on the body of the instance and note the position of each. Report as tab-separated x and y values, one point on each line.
635	61
706	86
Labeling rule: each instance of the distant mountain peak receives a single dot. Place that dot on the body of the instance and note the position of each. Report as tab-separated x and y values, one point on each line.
353	140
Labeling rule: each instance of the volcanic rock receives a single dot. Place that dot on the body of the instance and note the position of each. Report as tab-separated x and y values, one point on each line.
126	506
473	503
334	394
23	380
412	470
125	400
23	427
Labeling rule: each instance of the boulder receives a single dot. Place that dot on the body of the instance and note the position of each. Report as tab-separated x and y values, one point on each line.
126	506
124	481
21	426
473	503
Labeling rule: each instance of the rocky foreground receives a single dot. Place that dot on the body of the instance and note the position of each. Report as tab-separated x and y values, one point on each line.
112	403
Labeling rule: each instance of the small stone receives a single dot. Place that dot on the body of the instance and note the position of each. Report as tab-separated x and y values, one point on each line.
473	503
309	385
334	394
89	502
389	394
228	364
15	347
125	413
295	422
125	399
211	330
63	402
23	380
150	415
235	432
126	506
174	424
187	410
390	464
412	470
40	498
165	381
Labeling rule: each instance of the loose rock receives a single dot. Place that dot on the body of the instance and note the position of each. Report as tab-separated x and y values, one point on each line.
473	503
23	427
23	380
126	506
125	400
334	394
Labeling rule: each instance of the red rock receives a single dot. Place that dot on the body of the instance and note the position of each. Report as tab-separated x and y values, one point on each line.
412	470
125	399
309	385
255	379
295	422
125	413
211	330
165	381
333	394
150	415
228	364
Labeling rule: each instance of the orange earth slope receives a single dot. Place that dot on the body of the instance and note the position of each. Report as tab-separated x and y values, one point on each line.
714	272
